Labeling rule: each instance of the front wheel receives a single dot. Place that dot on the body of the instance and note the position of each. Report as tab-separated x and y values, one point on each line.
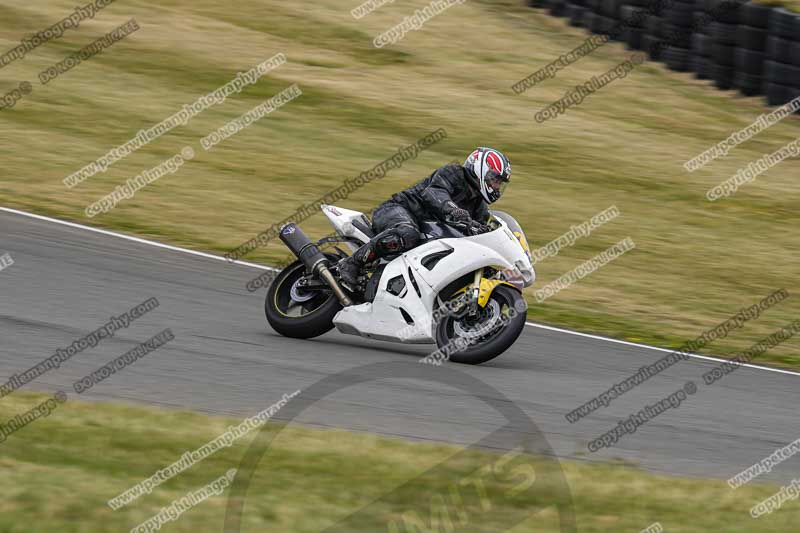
475	340
295	313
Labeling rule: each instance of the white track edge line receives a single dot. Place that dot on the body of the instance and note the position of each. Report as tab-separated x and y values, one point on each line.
262	267
665	350
134	239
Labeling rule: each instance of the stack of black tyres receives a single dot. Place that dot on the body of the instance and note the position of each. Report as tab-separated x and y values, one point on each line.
700	60
752	47
782	67
677	34
576	11
632	17
608	20
590	15
750	53
611	10
723	41
653	32
557	7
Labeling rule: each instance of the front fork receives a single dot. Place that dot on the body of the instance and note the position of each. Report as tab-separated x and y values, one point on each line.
469	299
474	293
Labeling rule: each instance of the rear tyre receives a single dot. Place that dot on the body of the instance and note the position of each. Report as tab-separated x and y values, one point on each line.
295	314
486	335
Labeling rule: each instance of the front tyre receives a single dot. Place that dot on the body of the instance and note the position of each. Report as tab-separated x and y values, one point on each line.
475	340
297	314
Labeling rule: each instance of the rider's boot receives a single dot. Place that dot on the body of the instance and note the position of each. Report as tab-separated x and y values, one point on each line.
393	240
350	267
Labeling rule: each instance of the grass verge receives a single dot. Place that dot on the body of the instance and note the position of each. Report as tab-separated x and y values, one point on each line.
60	472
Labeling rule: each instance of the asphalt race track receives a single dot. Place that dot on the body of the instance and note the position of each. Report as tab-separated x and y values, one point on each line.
66	282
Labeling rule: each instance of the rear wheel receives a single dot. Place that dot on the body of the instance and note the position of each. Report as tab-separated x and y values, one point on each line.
475	340
296	313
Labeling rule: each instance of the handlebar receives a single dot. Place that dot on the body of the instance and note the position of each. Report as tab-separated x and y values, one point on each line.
470	227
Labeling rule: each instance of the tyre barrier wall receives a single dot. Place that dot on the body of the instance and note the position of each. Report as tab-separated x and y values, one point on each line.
749	47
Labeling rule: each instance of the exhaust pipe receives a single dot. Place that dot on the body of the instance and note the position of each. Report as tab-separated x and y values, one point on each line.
315	262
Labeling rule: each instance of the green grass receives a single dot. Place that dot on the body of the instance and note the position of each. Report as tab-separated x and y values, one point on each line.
60	471
696	263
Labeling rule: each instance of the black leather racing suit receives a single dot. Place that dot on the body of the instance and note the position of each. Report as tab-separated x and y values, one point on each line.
396	222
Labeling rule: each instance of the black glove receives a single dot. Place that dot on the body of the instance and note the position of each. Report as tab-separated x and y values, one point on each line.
456	214
477	228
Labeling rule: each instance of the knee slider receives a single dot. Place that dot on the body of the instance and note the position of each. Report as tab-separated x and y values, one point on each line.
387	243
397	240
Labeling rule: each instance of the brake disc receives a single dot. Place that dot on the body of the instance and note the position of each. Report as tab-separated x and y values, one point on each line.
297	296
490	316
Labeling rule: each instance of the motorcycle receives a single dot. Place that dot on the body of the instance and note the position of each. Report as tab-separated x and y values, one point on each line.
460	287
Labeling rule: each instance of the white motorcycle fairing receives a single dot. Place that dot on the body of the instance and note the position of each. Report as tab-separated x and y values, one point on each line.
405	299
344	221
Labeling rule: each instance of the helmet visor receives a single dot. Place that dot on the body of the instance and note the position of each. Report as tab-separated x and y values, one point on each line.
496	184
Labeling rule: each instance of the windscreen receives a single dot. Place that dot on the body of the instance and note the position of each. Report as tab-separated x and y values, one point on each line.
516	229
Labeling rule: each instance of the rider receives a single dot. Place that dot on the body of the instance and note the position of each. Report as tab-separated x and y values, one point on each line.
453	192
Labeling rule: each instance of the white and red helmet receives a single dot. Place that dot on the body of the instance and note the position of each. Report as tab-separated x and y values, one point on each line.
491	171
